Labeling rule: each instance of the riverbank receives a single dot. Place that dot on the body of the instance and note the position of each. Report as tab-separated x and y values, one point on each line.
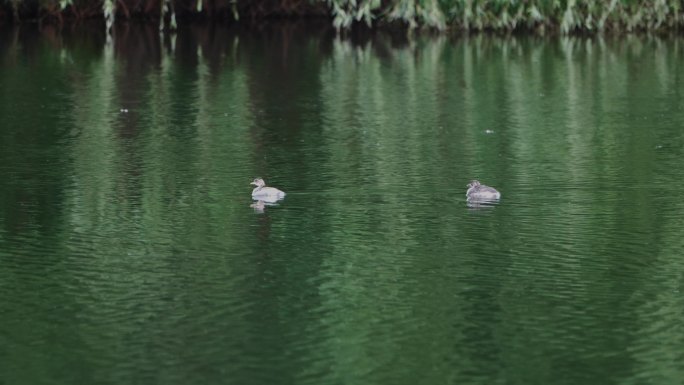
569	16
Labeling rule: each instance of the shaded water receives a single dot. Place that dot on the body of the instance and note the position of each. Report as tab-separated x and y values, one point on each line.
129	252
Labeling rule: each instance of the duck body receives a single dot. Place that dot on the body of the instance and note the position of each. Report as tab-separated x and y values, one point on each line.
477	191
266	194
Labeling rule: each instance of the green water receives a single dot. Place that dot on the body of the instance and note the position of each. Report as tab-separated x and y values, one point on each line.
129	253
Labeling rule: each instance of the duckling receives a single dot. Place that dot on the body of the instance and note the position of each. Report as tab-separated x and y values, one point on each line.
266	194
477	191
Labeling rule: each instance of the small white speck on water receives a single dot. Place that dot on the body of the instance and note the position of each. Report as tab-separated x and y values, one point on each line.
124	110
489	131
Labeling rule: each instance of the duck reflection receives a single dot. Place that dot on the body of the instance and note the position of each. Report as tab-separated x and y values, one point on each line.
260	206
481	204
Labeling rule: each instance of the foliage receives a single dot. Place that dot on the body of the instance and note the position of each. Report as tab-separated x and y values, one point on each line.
471	15
566	15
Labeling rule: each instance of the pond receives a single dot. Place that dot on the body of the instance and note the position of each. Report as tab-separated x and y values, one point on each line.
130	250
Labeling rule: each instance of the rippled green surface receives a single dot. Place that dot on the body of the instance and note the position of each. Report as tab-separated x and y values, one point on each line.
129	252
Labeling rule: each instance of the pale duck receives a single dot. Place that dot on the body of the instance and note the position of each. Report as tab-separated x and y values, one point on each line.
266	194
477	191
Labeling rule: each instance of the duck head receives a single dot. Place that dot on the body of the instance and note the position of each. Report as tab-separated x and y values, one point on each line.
473	183
258	182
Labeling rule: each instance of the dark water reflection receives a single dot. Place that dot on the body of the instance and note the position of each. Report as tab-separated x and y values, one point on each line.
129	252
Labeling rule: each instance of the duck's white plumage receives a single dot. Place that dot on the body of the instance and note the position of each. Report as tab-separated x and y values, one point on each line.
481	192
263	193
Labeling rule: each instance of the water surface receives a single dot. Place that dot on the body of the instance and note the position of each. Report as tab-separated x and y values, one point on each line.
129	252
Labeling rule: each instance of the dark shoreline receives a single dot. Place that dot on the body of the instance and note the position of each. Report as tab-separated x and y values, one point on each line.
452	17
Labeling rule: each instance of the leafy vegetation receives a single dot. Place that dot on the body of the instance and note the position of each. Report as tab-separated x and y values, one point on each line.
566	16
